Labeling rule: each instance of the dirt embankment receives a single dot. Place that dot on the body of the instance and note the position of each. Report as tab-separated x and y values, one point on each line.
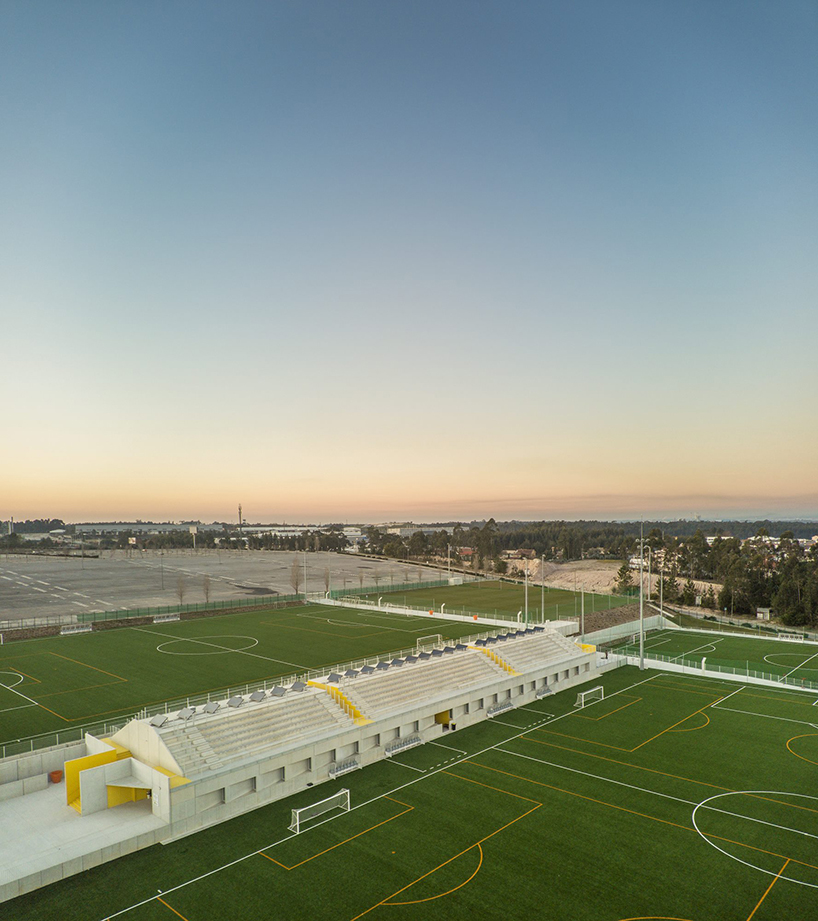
595	576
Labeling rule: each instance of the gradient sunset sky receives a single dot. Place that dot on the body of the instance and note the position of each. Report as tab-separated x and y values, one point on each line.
428	260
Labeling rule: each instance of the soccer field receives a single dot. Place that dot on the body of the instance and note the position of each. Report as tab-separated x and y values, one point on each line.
503	599
777	659
53	684
675	797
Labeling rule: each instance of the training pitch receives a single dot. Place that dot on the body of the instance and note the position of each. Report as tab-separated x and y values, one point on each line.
675	797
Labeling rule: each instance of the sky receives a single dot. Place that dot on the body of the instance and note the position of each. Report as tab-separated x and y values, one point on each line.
379	261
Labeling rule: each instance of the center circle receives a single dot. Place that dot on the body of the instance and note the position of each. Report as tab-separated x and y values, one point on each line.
752	866
208	645
772	656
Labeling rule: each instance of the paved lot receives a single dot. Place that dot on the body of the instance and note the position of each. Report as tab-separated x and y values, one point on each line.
35	586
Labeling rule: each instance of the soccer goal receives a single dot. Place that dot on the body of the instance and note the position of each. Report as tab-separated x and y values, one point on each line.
591	696
339	800
429	642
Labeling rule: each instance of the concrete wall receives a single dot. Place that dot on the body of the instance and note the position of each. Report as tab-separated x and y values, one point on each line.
78	865
139	736
221	796
22	774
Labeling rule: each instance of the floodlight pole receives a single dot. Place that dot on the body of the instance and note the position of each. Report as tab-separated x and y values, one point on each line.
642	596
662	588
526	595
305	575
542	589
449	559
582	616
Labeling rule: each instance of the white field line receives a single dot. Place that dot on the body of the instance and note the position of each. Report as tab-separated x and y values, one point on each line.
401	764
799	666
678	799
690	652
380	626
766	716
409	783
21	707
188	639
441	745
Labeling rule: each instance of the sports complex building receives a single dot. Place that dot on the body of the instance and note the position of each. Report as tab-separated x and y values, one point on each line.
431	775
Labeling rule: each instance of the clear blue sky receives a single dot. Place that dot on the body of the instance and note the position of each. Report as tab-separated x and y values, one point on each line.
370	260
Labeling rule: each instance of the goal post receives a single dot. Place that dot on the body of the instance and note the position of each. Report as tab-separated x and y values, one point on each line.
429	642
339	800
590	696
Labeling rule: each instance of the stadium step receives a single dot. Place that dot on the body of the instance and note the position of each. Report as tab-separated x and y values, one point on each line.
498	660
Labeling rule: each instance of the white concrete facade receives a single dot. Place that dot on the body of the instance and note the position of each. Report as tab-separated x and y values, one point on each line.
223	783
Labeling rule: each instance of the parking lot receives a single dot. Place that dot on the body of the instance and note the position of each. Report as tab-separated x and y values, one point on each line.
32	586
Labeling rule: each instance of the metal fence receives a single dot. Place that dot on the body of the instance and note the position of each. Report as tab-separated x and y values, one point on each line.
104	729
228	606
60	737
721	667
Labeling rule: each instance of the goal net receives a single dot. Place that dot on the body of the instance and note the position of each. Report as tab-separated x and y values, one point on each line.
429	642
340	800
588	697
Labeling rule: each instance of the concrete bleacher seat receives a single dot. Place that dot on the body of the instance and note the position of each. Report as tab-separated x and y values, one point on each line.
392	689
211	742
532	650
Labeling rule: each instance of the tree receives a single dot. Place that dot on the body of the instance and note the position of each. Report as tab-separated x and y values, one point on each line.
326	579
624	580
360	579
180	588
709	598
295	576
206	588
689	593
501	566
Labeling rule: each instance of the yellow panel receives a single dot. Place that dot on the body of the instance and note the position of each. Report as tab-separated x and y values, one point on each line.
443	717
121	751
73	769
119	795
587	647
176	780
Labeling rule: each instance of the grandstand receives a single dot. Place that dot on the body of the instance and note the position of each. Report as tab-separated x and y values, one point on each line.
201	765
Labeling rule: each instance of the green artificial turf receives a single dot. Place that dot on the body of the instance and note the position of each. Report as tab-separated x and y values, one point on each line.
58	683
503	599
771	658
546	813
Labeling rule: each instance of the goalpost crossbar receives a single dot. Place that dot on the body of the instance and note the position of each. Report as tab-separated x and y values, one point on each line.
433	640
590	696
339	800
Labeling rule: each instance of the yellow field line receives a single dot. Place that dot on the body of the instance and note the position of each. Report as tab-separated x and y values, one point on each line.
465	850
596	719
803	736
14	668
768	889
346	840
639	767
86	665
440	895
695	728
651	739
87	687
643	815
171	908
